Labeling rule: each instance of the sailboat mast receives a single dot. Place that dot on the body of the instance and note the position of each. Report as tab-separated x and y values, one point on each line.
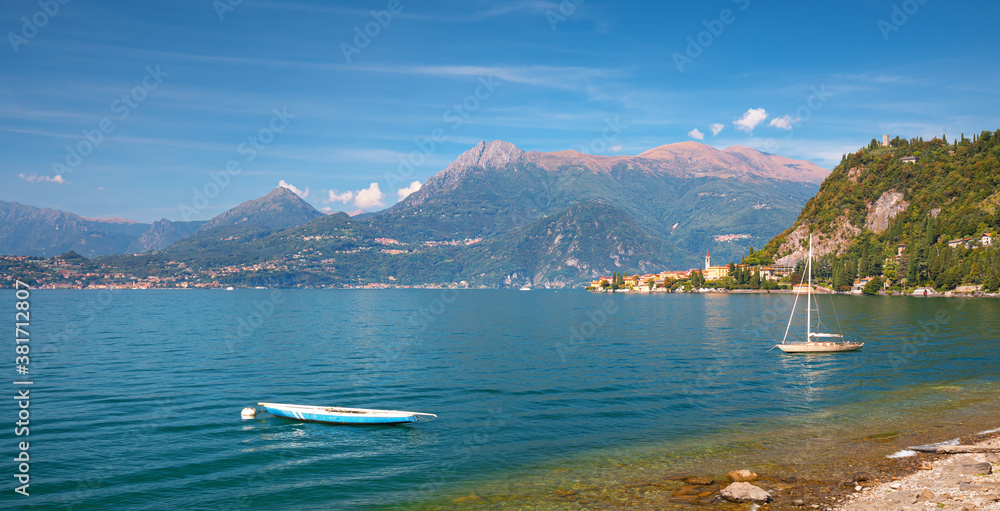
809	291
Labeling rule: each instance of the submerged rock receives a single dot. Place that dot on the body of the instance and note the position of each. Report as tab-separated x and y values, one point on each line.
745	492
699	480
742	476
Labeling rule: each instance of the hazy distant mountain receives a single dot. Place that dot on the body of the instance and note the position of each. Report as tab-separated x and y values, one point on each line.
27	230
162	234
278	209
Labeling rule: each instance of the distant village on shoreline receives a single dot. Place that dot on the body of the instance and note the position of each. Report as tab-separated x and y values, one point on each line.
742	278
71	271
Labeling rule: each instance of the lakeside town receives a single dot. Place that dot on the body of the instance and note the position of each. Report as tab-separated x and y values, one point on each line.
72	271
784	278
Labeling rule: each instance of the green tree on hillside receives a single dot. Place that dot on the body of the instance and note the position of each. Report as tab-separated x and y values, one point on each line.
991	282
873	286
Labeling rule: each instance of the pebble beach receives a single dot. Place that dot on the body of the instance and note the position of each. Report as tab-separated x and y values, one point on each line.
967	482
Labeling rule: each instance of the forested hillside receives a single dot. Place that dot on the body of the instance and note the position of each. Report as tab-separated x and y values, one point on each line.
916	212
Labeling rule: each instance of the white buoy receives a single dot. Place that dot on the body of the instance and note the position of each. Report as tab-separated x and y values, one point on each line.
249	412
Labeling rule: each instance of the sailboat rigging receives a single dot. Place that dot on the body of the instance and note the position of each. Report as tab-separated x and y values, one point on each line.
814	342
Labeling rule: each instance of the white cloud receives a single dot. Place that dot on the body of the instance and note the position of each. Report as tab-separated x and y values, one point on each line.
345	197
783	123
696	134
33	178
615	148
405	192
327	210
750	119
298	192
717	128
370	197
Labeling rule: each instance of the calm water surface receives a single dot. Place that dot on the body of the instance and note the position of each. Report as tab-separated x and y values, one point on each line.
137	394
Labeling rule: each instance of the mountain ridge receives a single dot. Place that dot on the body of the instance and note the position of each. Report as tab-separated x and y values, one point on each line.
494	188
33	231
686	159
278	209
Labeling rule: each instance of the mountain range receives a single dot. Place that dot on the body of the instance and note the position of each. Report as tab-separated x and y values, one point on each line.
496	216
31	231
686	197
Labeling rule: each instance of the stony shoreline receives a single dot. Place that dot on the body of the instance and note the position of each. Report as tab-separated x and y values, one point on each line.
968	482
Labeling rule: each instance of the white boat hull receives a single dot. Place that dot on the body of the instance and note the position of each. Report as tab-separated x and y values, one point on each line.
819	347
341	415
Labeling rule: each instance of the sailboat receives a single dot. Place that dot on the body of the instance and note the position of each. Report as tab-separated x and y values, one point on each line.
815	342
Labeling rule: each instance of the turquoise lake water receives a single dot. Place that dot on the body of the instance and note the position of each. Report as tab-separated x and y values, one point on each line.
137	394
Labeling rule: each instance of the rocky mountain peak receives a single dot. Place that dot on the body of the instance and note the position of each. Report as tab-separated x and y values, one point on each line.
281	192
495	154
279	209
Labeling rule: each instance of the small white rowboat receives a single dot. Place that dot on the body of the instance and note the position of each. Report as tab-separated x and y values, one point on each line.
341	415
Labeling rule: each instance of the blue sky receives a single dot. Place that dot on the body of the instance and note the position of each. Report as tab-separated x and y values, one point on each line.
187	108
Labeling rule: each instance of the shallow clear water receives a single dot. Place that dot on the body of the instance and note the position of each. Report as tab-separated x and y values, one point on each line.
137	394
